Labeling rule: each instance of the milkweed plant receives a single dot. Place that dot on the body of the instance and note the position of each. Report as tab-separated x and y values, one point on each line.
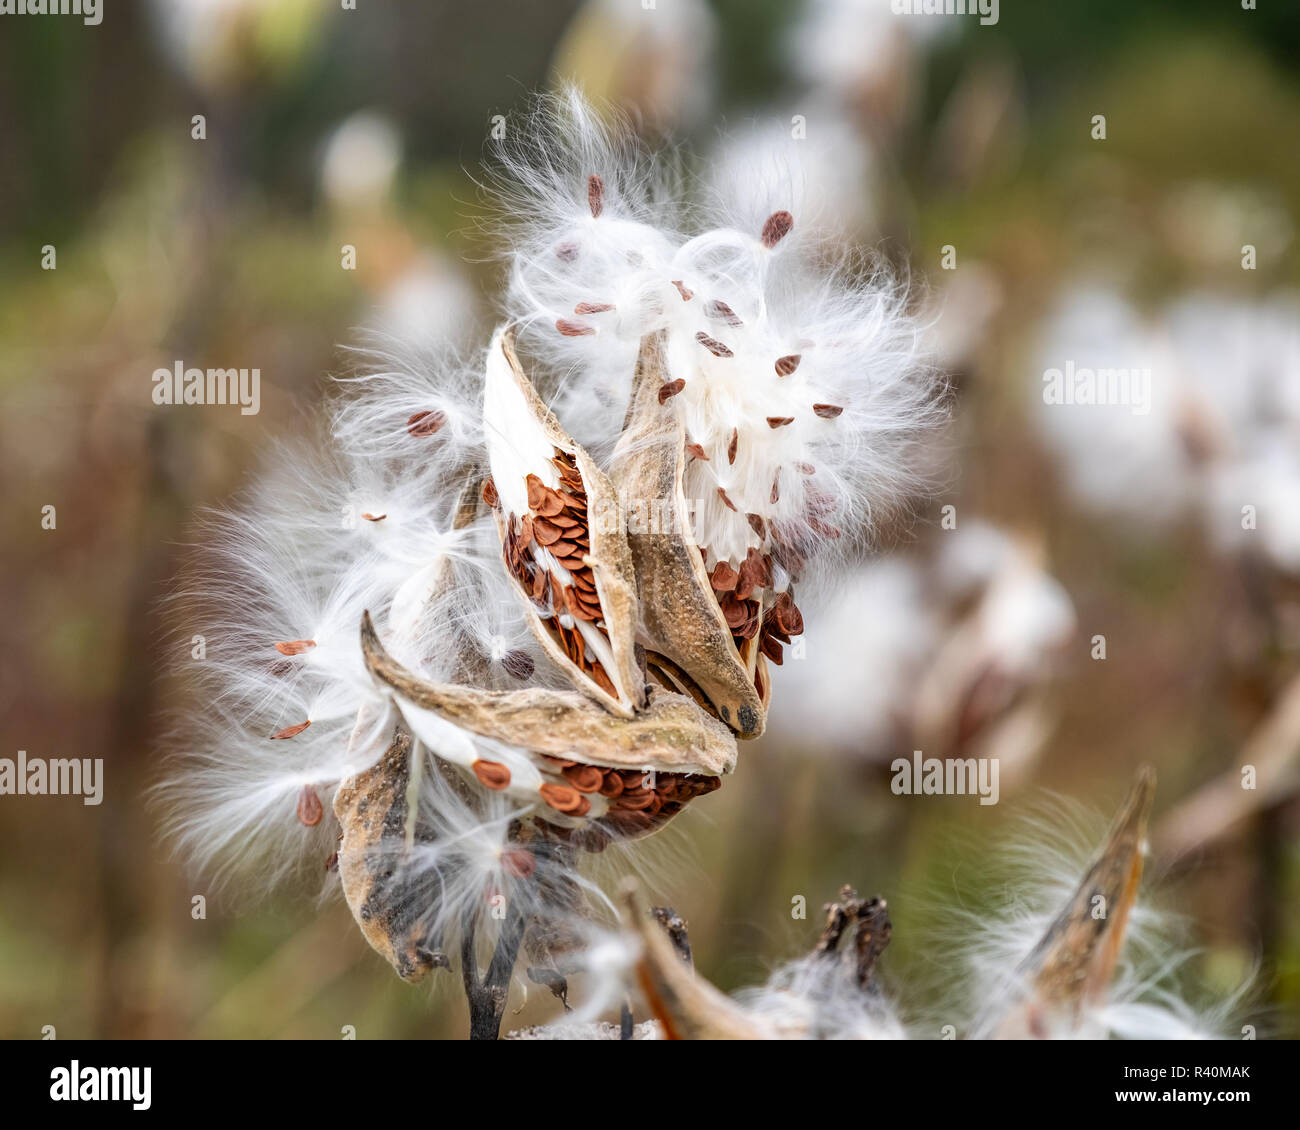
518	603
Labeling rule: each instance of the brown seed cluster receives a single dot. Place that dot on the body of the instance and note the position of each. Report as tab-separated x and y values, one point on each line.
557	522
634	807
739	594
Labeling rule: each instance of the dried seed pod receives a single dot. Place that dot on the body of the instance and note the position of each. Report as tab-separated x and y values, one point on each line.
542	477
371	808
684	631
687	1006
671	735
1073	963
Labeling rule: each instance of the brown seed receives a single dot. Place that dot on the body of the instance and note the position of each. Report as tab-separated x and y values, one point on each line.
635	800
757	524
569	328
787	615
824	528
734	609
519	862
374	517
805	468
721	312
670	389
612	785
490	493
770	647
290	731
776	228
787	364
584	778
546	533
779	421
628	823
491	774
722	494
295	647
551	505
592	307
562	548
332	861
724	577
595	195
518	664
696	451
602	680
577	609
562	798
752	575
732	445
310	809
426	423
687	295
827	411
713	345
776	487
536	491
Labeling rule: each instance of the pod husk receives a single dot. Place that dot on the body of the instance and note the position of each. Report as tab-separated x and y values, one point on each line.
609	558
680	617
671	735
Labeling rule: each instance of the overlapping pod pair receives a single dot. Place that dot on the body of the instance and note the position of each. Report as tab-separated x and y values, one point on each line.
614	756
614	582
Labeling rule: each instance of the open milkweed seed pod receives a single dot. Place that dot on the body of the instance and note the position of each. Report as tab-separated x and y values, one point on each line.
691	645
580	766
574	573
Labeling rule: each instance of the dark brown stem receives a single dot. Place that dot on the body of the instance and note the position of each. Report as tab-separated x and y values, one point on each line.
487	998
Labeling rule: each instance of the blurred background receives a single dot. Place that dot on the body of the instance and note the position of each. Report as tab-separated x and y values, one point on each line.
967	155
